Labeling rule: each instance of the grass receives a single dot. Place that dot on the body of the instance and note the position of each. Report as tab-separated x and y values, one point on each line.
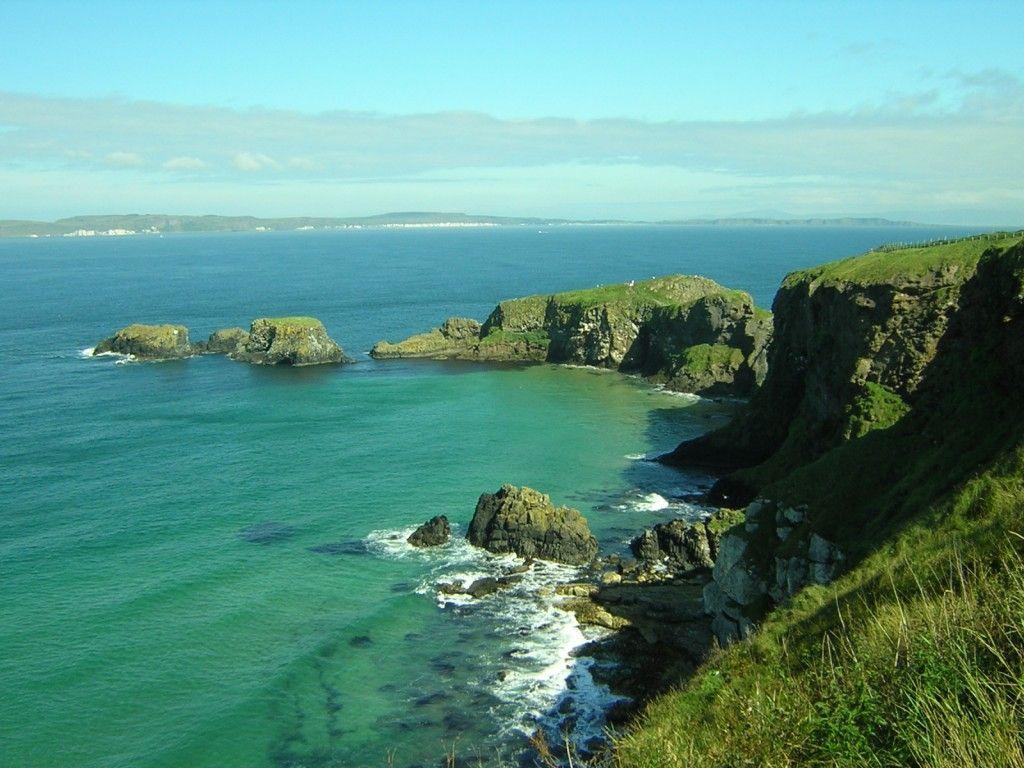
905	261
914	656
296	321
672	290
702	358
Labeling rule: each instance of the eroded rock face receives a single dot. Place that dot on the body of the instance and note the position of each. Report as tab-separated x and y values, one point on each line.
524	521
686	332
148	342
288	341
433	533
764	559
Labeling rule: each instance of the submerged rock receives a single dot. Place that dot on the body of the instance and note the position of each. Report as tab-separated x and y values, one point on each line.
433	533
524	521
266	532
148	342
288	341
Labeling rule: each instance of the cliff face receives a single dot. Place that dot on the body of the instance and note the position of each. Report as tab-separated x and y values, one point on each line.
689	333
917	390
851	343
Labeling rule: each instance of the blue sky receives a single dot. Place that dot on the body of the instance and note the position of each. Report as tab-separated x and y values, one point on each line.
636	110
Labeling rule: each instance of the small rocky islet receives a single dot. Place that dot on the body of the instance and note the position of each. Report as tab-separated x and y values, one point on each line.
296	341
685	332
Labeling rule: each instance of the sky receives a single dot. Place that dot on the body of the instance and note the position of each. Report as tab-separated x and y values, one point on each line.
634	110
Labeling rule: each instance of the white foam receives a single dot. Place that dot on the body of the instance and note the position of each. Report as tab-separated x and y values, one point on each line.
87	352
543	672
651	502
687	396
636	456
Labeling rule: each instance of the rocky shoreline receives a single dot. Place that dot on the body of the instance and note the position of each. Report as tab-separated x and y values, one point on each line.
687	333
649	608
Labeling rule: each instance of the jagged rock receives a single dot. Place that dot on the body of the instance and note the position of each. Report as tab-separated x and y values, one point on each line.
433	533
288	341
482	587
524	521
589	612
148	342
686	332
683	546
225	341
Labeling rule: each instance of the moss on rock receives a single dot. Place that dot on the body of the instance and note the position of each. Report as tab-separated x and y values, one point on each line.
294	341
148	342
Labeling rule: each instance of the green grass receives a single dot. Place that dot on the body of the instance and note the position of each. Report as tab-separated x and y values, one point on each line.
914	656
682	290
912	659
900	262
702	358
296	321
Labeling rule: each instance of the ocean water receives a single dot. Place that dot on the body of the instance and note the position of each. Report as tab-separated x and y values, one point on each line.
202	563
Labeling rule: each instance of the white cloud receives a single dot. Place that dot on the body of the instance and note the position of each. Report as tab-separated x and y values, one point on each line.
122	160
957	140
254	161
185	163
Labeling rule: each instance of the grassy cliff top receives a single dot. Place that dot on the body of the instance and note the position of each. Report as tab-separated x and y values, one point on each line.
895	262
284	322
670	290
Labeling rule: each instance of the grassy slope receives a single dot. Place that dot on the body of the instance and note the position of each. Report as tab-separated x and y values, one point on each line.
914	657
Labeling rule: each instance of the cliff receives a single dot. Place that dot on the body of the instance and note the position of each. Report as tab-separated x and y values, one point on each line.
852	341
870	596
688	333
294	341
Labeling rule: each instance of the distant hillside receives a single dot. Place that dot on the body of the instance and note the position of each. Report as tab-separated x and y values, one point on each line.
158	223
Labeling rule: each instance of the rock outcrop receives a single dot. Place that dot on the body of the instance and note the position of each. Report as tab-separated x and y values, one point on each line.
524	521
689	333
148	342
683	547
225	341
288	341
433	533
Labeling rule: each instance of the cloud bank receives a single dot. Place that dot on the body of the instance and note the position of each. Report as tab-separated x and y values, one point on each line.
958	149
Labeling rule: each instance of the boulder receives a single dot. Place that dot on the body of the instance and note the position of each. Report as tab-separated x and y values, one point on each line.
148	342
288	341
684	546
225	341
525	522
433	533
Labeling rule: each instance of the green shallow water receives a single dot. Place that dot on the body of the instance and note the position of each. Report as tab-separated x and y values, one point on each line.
196	566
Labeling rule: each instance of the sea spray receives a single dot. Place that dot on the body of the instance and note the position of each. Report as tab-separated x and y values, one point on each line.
538	679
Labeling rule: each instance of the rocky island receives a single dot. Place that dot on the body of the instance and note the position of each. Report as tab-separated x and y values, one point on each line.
689	333
295	341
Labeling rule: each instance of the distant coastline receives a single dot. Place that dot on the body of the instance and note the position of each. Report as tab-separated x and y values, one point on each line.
157	224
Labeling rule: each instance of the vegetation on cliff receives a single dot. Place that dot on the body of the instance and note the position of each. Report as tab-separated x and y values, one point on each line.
686	332
914	655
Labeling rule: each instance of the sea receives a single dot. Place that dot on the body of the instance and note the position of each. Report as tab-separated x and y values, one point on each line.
203	563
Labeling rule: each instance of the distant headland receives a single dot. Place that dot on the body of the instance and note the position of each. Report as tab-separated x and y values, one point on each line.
159	223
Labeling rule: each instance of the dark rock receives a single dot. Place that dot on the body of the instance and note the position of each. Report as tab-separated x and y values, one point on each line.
360	641
433	533
524	521
225	341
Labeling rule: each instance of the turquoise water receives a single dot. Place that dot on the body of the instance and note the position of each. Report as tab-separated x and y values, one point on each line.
197	562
